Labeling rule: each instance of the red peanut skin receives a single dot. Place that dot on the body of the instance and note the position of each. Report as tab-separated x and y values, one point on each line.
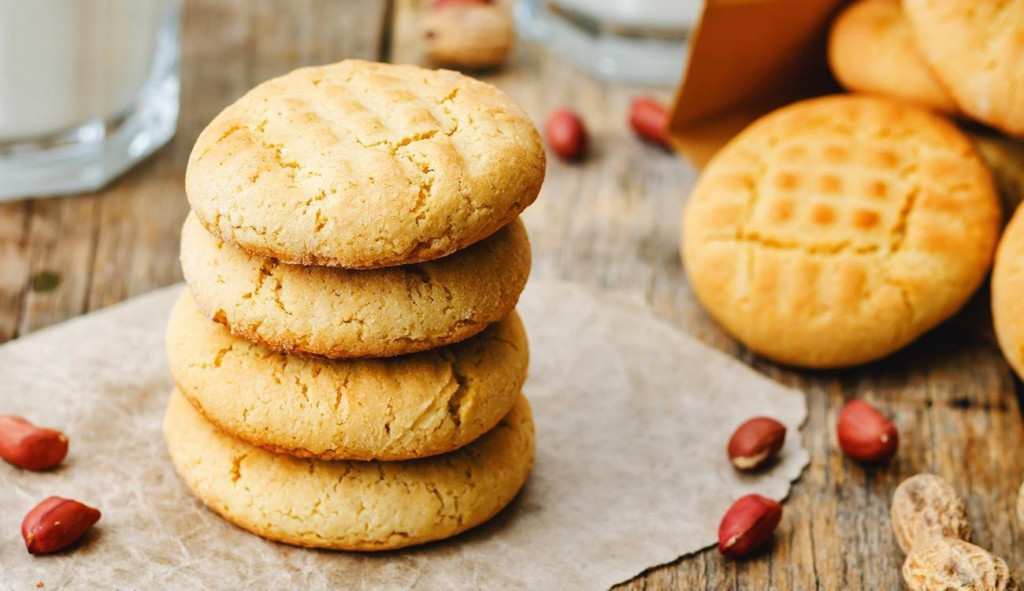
55	524
566	134
28	446
761	438
649	119
747	525
865	434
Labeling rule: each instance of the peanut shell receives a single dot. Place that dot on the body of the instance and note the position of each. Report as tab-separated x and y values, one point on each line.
949	564
925	506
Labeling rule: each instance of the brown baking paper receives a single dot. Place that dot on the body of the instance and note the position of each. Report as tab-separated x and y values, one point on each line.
632	422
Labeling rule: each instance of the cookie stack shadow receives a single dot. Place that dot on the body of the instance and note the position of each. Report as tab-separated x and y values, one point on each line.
372	400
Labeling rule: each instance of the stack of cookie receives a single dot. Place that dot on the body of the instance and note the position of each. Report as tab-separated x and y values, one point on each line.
347	357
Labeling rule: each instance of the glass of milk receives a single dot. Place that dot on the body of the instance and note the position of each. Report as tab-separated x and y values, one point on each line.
88	88
629	41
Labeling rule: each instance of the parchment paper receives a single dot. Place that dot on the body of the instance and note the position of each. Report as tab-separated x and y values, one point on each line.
632	421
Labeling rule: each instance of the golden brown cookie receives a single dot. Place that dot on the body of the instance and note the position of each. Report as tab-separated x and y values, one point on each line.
871	50
976	50
398	408
364	506
338	312
837	230
1007	290
364	165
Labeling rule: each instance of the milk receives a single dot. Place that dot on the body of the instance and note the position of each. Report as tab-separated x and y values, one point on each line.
66	62
88	88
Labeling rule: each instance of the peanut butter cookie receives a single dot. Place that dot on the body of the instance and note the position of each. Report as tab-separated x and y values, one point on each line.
365	506
364	165
398	408
837	230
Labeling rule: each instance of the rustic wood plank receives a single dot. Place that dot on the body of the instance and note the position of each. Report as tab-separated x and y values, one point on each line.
613	221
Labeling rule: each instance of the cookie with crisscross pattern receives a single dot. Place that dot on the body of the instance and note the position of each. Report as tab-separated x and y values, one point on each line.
364	165
837	230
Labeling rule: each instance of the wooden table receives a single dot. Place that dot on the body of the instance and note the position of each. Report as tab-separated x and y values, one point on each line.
612	221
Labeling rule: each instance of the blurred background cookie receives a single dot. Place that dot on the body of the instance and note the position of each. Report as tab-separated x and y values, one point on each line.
871	50
1007	290
837	230
975	49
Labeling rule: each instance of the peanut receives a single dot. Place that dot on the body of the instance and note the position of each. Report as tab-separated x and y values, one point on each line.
55	524
30	447
468	36
566	134
866	435
926	506
947	564
756	442
747	525
649	119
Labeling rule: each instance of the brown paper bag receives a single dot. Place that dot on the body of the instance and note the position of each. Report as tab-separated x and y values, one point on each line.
748	57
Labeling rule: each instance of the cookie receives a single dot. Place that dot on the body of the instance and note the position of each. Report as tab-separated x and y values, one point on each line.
364	165
382	409
837	230
871	50
338	312
365	506
976	52
1007	287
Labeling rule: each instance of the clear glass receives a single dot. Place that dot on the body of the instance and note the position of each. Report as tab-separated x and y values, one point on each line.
88	88
629	41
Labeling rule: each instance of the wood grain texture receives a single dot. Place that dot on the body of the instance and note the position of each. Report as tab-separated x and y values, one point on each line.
611	221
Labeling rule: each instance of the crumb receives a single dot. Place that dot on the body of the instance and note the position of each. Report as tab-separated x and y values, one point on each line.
40	585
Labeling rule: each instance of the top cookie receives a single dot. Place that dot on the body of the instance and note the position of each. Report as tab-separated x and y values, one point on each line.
838	229
364	165
976	50
870	49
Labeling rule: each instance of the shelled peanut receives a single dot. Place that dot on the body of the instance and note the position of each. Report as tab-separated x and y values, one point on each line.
55	524
29	446
755	443
865	434
747	525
